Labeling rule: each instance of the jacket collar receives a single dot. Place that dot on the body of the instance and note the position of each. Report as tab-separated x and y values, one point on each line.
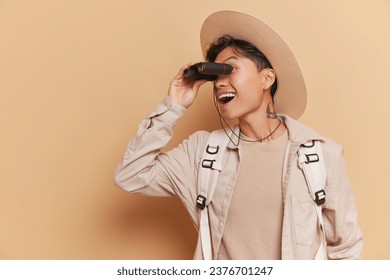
298	133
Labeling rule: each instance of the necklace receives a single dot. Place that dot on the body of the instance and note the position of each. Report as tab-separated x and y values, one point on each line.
262	139
223	121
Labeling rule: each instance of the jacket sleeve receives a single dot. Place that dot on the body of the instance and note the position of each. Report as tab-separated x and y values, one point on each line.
344	237
146	170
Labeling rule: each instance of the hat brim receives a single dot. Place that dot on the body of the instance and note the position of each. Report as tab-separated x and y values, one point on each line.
290	97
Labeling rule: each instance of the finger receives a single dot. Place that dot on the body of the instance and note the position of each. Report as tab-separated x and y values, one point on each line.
179	74
198	84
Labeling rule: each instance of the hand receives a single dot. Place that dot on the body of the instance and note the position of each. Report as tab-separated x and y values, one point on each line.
184	91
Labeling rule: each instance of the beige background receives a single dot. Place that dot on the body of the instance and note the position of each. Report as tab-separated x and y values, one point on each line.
77	76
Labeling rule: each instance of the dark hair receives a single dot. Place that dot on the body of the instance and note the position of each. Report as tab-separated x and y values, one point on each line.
243	48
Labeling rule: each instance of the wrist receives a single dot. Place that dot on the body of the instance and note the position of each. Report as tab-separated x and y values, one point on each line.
177	104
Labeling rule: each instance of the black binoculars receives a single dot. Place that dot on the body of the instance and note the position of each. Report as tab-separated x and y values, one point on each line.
207	71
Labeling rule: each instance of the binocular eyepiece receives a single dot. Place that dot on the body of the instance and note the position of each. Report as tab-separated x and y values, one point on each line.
207	71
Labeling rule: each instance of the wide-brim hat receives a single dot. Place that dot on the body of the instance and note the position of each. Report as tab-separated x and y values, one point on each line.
290	97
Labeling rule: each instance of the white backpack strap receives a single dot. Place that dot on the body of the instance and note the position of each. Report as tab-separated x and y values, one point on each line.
211	166
311	161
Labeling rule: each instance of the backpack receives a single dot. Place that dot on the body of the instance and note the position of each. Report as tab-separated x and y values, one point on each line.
310	160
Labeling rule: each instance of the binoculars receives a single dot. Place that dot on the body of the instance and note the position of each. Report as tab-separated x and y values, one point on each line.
207	71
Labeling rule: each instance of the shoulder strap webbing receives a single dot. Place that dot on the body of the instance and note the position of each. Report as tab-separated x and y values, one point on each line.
211	166
311	161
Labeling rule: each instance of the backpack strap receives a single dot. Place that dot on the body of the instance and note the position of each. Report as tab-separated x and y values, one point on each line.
311	161
211	166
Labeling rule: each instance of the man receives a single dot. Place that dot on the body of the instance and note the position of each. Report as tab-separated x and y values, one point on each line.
261	207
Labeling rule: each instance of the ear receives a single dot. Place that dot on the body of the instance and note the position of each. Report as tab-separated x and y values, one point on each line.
270	78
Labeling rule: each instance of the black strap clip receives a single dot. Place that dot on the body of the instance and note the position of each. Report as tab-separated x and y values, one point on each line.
208	163
212	150
310	158
201	202
320	197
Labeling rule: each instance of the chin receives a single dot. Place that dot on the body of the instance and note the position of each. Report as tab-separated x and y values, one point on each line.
227	116
231	119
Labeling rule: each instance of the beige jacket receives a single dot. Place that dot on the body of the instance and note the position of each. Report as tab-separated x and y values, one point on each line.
146	170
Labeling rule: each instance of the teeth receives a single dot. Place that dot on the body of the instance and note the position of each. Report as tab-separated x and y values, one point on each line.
227	95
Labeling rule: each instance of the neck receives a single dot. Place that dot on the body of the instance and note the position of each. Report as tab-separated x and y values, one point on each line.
262	125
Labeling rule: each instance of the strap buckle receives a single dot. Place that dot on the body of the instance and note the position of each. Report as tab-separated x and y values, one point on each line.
320	197
208	163
201	202
212	150
310	158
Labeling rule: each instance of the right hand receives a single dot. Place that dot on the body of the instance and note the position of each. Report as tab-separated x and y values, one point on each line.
184	91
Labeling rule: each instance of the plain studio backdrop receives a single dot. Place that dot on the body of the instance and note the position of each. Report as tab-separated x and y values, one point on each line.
77	76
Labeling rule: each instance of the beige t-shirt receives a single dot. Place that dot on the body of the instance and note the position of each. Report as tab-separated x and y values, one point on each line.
253	228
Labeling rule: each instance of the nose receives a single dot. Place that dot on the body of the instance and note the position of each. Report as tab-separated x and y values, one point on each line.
221	81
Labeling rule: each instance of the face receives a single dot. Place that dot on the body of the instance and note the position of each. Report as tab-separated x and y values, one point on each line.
240	94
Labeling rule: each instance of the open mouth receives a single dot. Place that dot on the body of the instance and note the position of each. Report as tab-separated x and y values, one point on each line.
226	97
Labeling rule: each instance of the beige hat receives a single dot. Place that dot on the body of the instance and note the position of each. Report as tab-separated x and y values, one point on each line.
290	97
